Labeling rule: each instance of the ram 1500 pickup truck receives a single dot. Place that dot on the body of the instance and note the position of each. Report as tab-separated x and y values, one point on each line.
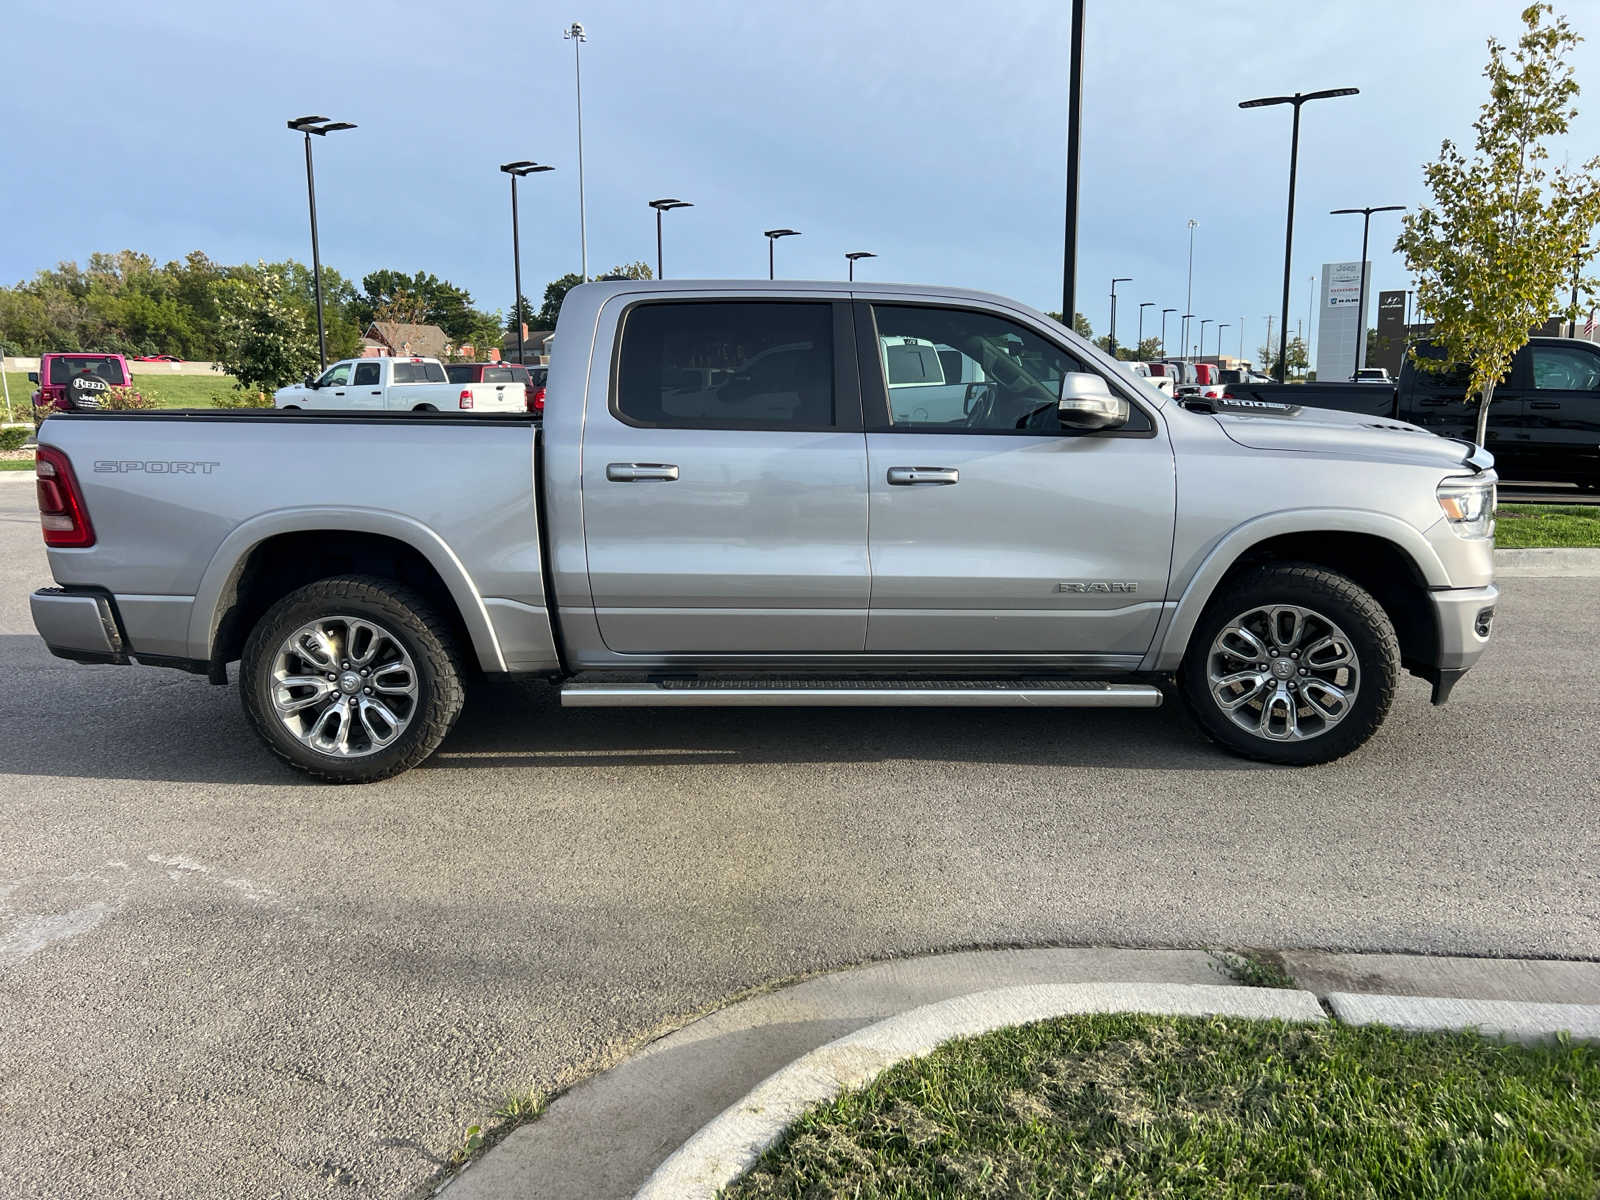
381	384
1544	422
739	497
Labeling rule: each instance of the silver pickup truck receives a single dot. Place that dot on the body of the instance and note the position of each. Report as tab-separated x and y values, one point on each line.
747	494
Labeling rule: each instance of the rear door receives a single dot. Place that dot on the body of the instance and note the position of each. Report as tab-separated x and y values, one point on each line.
1562	401
1439	402
724	480
366	385
994	532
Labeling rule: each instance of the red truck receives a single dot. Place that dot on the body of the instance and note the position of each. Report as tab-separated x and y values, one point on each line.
77	381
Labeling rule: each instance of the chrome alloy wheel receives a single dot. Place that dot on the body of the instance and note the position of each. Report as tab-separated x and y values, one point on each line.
344	686
1283	672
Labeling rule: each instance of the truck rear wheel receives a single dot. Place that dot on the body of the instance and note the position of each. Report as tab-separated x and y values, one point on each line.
1292	664
350	680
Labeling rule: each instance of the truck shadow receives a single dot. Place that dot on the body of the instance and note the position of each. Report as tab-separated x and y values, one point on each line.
71	721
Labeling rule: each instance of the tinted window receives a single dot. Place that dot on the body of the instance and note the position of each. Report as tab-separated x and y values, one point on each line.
366	374
989	374
910	361
500	375
101	366
727	365
1453	378
419	372
1566	369
461	373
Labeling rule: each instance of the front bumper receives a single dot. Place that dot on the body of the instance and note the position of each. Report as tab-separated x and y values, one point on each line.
1464	618
80	626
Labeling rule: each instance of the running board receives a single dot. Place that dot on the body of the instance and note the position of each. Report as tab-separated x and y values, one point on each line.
1024	693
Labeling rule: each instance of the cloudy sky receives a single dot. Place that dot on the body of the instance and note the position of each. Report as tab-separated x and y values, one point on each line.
929	131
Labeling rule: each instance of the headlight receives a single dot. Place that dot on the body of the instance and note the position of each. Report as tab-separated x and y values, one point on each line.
1469	506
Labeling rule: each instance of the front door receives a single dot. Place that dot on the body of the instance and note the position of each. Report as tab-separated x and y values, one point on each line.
993	531
724	484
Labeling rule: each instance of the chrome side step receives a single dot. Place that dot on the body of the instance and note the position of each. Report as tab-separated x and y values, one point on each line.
844	693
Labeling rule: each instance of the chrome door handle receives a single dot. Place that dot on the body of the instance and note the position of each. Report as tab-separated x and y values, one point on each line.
906	476
641	472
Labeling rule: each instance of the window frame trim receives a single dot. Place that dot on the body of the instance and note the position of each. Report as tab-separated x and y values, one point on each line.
846	378
879	418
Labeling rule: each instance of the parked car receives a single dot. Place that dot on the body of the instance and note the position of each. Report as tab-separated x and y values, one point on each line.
497	373
406	384
539	376
77	381
1544	421
1373	375
167	358
734	501
1145	371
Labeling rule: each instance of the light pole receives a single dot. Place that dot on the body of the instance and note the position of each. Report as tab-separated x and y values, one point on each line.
1202	347
1138	347
662	206
575	34
1270	318
1069	254
320	126
851	258
1113	335
1298	99
1311	298
1361	292
517	170
1183	347
1241	343
1220	328
772	236
1164	313
1188	298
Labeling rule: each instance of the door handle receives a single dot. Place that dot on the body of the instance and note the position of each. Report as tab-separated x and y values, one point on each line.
641	472
906	476
1544	404
377	393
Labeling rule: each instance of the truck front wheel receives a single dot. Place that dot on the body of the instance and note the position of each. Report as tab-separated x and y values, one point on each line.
1292	664
350	679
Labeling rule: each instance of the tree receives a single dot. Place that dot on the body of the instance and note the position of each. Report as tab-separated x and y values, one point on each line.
1503	235
1145	351
1299	357
637	269
1080	324
529	315
267	337
424	297
554	293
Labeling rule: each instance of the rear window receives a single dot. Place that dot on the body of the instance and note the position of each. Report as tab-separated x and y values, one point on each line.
461	372
103	366
505	374
765	364
419	372
909	361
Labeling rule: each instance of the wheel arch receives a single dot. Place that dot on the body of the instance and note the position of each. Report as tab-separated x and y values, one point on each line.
1383	554
271	555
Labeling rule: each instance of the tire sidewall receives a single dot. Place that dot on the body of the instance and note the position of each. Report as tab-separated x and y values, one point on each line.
1374	642
438	698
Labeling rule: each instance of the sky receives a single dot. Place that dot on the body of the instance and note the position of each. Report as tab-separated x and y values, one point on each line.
931	132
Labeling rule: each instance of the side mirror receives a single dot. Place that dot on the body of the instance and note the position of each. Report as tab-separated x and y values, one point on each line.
33	377
1087	403
311	382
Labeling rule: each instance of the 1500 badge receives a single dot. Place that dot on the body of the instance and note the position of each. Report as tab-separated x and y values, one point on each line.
1097	585
125	466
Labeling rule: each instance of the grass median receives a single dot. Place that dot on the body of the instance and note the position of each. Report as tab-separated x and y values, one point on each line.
170	390
1138	1106
1539	526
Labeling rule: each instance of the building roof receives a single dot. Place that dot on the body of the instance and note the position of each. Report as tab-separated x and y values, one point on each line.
428	341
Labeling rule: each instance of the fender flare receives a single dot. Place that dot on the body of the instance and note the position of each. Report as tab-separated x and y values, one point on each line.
1167	653
231	554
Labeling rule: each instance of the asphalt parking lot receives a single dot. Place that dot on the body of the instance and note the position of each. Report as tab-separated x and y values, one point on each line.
217	978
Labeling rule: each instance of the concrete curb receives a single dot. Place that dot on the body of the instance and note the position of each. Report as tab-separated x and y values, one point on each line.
26	477
1513	1020
1572	562
732	1142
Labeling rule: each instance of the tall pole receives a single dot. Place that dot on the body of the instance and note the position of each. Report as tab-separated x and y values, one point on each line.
1164	313
316	255
1220	328
1311	296
1188	299
659	273
1268	364
771	242
1361	298
1069	256
1577	267
576	35
1113	335
1139	345
1241	343
516	261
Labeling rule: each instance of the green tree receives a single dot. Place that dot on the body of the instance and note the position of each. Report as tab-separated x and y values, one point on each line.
530	315
1080	324
267	337
1299	357
554	293
1503	234
423	297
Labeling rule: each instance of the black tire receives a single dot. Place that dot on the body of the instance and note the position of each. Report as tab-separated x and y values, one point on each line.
1331	596
424	408
291	408
406	617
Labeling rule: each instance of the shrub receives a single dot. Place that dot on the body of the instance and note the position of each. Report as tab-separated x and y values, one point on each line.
244	397
13	438
124	399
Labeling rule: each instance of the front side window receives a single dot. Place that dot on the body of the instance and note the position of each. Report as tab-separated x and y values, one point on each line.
958	371
1565	369
367	374
759	364
335	376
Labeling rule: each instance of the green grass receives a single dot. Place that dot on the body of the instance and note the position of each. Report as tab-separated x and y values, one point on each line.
1521	526
172	391
1253	968
1136	1106
16	464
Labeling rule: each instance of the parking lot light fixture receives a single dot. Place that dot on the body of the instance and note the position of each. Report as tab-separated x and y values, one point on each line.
772	236
576	35
1220	328
662	206
1183	347
1164	313
1144	305
321	126
1202	343
1297	100
1361	292
851	257
1113	334
517	170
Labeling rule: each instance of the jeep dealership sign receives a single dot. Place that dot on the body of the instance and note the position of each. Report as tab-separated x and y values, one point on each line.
1340	327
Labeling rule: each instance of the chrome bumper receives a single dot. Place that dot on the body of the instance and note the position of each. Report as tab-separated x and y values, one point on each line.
78	625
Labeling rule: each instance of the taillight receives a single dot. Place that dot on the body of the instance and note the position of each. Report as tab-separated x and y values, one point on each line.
466	398
538	402
62	514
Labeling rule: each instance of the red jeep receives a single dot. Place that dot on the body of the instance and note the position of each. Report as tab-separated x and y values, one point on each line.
77	380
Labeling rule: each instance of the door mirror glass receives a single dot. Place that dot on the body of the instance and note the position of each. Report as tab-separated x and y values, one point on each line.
33	377
1087	403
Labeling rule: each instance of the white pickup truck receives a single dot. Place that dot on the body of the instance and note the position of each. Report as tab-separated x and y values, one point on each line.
399	384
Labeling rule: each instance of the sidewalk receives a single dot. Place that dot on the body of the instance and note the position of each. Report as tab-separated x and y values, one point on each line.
606	1136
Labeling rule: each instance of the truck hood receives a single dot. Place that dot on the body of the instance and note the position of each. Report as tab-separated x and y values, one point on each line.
1292	427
